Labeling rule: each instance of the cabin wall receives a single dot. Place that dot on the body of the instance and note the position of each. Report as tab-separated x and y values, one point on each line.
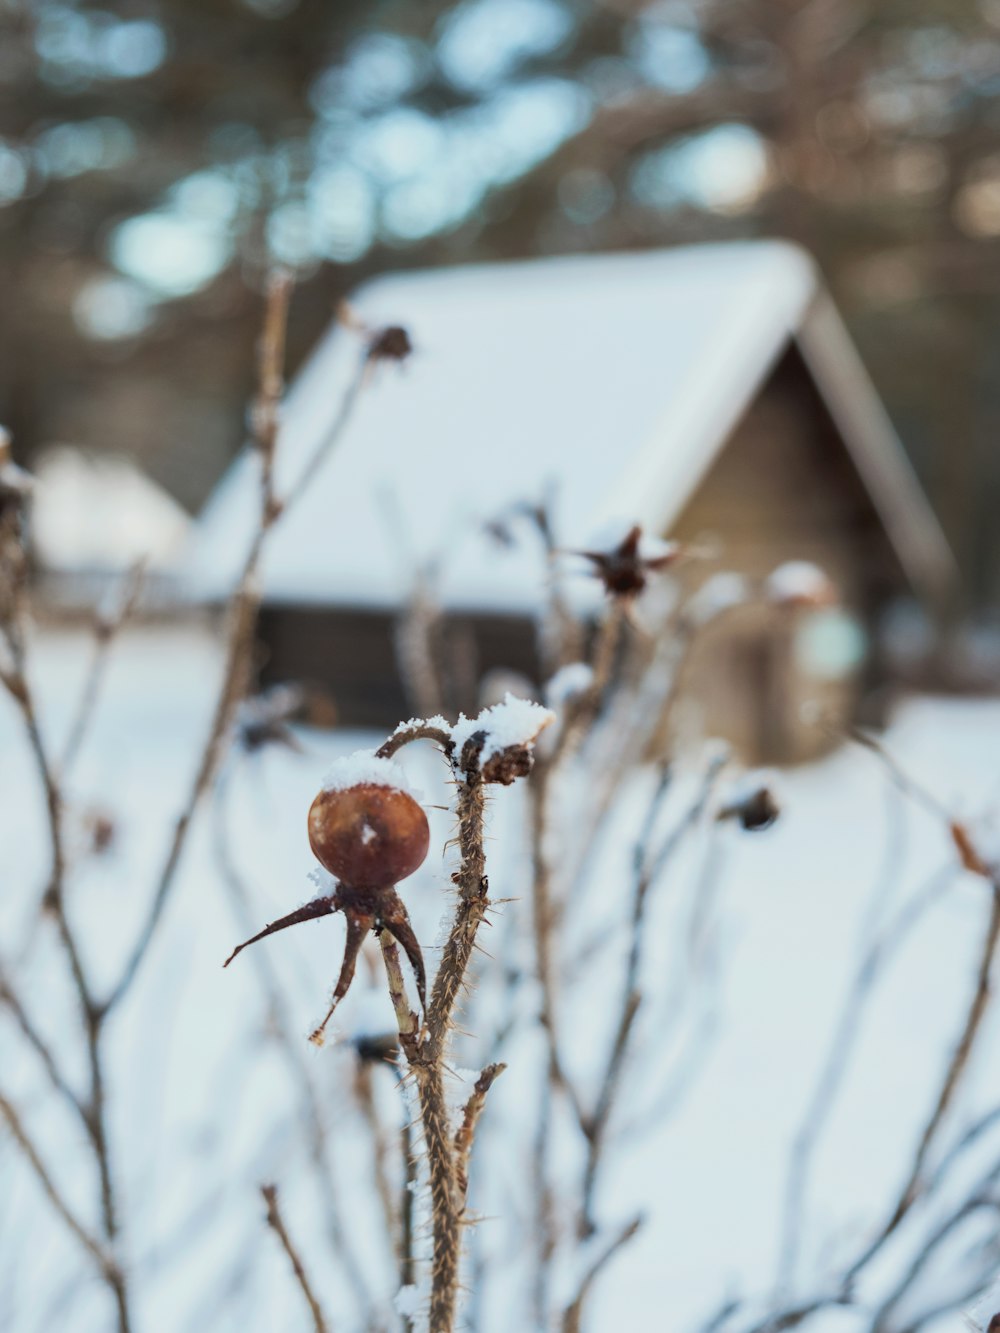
784	488
352	656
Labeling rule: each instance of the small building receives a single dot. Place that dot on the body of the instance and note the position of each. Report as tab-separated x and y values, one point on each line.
709	393
95	516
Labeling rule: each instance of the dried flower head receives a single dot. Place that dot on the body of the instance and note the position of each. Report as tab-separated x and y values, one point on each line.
500	740
392	343
753	805
624	569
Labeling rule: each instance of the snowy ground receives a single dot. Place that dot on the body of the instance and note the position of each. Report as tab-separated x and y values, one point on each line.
205	1107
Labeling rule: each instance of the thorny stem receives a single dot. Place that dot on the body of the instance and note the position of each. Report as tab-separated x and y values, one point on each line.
277	1225
426	1051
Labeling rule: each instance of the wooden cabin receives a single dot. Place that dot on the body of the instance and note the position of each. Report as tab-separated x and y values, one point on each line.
709	393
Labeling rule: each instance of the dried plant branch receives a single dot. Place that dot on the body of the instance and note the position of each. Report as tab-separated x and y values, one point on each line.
106	1264
281	1025
417	643
979	1201
10	998
365	1097
470	1118
426	1050
93	1109
573	1314
245	603
848	1028
648	870
416	731
906	784
328	441
956	1068
277	1225
107	627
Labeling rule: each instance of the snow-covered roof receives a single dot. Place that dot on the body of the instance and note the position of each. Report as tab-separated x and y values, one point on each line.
608	383
102	513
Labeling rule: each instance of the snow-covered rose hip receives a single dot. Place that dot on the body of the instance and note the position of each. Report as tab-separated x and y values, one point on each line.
368	835
370	832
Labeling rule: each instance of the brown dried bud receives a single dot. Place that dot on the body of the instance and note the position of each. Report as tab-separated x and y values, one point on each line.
368	836
967	853
624	570
755	811
506	766
390	344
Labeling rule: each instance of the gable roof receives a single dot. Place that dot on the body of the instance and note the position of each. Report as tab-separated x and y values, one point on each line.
608	382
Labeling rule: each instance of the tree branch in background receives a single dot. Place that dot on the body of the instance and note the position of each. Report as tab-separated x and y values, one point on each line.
572	1316
246	600
106	1265
107	627
277	1225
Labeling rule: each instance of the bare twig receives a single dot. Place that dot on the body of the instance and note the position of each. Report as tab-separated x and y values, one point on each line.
954	1072
839	1053
470	1118
277	1225
246	600
573	1314
287	1037
102	1258
107	627
426	1052
648	870
40	1046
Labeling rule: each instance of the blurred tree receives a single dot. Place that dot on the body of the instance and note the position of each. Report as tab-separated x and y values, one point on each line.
155	153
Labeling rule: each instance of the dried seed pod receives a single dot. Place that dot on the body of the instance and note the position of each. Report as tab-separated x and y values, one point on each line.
368	835
754	807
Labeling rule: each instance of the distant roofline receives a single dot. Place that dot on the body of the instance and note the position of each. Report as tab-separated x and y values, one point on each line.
782	304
